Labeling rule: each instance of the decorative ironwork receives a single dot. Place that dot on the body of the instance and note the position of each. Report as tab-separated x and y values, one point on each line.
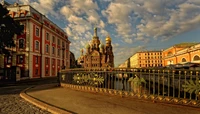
136	83
191	86
166	86
92	79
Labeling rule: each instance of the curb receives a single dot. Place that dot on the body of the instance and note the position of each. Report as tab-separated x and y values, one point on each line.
40	104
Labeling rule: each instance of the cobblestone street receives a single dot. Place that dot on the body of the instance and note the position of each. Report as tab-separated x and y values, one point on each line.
12	103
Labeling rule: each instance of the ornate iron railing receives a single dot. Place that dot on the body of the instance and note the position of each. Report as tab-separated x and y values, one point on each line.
161	85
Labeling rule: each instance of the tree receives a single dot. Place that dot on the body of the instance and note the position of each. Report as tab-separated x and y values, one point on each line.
8	28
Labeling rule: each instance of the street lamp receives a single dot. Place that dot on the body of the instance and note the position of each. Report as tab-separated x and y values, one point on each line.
63	64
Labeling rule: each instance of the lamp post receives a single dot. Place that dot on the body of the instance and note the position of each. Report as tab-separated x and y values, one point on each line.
63	64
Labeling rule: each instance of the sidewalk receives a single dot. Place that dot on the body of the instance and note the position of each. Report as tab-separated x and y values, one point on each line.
91	103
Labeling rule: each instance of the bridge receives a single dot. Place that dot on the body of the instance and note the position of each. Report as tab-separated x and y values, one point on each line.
161	85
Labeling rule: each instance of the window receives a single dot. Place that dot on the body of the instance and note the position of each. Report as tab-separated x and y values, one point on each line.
47	48
53	39
37	31
58	52
20	59
47	36
21	43
9	59
196	58
53	50
183	60
58	41
36	59
169	54
37	45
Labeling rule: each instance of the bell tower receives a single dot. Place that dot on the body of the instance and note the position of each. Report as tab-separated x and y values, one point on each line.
109	52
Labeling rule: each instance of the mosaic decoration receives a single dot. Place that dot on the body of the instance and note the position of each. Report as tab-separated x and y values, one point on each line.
92	79
191	86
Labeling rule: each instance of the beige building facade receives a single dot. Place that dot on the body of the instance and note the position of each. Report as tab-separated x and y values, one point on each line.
143	59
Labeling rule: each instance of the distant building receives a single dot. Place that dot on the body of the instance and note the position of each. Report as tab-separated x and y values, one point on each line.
182	53
143	59
97	54
42	50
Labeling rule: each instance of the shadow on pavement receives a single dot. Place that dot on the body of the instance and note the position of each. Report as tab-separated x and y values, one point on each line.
16	87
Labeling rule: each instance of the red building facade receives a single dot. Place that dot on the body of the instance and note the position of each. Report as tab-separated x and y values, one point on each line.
43	48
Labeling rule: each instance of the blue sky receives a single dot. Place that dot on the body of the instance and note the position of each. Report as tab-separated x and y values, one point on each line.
133	25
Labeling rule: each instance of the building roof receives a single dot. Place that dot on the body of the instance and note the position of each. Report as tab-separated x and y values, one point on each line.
184	44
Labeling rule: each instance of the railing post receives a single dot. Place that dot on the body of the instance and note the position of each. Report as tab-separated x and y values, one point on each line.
58	78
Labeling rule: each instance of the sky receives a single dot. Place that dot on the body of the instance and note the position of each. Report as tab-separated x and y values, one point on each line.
133	25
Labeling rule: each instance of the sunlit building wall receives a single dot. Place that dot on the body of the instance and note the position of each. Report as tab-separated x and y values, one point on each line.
182	53
43	48
144	59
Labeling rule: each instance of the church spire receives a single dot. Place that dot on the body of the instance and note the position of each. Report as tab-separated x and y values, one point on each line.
95	32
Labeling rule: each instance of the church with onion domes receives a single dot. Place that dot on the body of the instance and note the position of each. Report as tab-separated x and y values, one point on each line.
97	55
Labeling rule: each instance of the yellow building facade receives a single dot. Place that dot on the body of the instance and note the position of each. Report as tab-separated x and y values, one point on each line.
182	53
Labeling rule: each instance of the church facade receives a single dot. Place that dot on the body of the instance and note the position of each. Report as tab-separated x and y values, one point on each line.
97	55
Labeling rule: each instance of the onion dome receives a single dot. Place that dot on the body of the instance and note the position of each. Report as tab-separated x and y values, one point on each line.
108	38
87	46
101	46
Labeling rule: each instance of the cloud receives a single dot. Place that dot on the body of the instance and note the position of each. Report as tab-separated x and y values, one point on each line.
46	7
157	19
121	54
126	21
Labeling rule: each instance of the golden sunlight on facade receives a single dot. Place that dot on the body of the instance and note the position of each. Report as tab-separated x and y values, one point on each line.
182	53
143	59
177	54
41	51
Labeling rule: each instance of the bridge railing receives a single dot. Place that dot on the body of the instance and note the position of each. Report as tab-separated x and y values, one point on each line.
162	85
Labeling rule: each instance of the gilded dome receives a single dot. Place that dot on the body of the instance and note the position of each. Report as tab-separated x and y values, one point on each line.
108	38
87	46
101	46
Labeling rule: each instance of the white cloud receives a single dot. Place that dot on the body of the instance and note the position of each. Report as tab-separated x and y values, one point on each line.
123	53
46	7
130	21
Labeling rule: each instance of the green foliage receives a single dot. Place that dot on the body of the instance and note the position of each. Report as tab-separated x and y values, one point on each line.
191	86
8	27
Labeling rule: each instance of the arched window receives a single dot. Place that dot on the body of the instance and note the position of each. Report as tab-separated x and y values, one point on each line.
21	43
184	60
196	58
169	53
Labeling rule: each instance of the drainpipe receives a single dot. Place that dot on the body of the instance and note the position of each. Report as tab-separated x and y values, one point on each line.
41	62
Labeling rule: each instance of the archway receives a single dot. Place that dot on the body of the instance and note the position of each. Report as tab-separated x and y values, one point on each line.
184	60
196	58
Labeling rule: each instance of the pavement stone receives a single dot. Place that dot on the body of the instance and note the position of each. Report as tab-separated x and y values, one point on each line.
12	103
90	103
